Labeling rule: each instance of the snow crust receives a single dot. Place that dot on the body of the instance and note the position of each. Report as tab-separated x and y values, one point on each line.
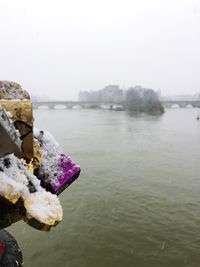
12	175
45	212
14	180
7	122
12	91
51	152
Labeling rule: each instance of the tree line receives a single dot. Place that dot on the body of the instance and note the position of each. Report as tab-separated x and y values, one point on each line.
136	99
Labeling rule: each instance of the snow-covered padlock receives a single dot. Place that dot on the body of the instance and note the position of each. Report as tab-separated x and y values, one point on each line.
31	179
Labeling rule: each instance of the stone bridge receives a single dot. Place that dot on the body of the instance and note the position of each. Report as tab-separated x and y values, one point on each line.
79	104
181	103
67	104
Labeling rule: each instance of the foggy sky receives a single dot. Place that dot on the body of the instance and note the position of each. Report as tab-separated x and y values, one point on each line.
59	47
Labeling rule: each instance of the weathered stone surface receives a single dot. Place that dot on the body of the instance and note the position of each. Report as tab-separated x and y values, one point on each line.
11	90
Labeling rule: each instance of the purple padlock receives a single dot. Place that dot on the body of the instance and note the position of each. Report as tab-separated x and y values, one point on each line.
57	171
68	173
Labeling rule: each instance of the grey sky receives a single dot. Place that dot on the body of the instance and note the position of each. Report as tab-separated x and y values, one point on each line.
58	48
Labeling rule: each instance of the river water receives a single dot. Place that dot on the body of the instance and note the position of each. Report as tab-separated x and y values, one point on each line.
137	202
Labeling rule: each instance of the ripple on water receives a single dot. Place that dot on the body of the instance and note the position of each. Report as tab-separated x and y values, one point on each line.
137	201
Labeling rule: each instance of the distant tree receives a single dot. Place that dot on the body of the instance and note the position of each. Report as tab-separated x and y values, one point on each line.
139	99
136	98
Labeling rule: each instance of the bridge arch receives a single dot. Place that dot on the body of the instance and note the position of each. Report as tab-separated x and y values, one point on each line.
175	105
42	107
60	106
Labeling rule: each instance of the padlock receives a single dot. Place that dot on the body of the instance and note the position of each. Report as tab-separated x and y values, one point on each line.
10	138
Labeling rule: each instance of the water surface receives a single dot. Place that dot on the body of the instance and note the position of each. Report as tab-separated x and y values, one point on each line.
137	202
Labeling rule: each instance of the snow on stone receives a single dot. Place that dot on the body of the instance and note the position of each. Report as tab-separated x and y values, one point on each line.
12	175
12	91
10	117
50	155
41	205
44	206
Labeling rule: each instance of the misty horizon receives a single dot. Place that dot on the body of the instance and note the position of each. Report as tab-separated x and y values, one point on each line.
58	48
48	98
